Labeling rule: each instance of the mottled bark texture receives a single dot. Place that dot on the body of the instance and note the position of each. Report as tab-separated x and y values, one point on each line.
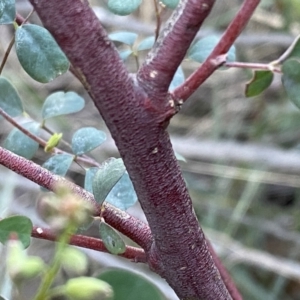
136	113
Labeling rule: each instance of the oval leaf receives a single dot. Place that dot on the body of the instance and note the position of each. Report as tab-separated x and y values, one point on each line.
261	80
170	3
106	177
111	239
178	79
203	48
124	37
123	7
39	54
87	139
88	180
146	44
122	194
10	101
7	11
59	164
61	103
129	285
291	80
20	144
124	54
20	225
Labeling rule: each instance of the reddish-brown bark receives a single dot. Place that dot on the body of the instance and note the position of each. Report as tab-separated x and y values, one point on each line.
136	110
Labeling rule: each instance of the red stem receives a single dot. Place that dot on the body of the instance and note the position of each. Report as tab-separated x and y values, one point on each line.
128	225
183	92
132	253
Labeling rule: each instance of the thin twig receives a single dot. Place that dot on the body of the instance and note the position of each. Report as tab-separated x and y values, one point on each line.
184	91
132	253
254	66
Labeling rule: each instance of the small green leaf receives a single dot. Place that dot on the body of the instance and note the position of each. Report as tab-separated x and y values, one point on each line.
261	80
291	80
111	239
7	11
20	144
200	50
178	79
170	3
61	103
39	54
124	37
59	164
53	142
106	177
86	139
126	283
10	101
88	180
123	7
146	44
122	194
20	225
124	54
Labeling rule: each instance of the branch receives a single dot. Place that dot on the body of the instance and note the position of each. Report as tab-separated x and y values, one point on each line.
132	253
183	92
133	228
168	52
179	250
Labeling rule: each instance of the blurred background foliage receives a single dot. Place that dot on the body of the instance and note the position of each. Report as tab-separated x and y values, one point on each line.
243	154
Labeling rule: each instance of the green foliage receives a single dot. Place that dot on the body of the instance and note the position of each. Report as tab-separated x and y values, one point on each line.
261	80
111	239
122	194
106	177
291	80
21	144
178	79
86	139
170	3
128	285
124	37
39	54
7	11
61	103
59	164
200	50
20	226
146	43
124	54
10	101
123	7
88	180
